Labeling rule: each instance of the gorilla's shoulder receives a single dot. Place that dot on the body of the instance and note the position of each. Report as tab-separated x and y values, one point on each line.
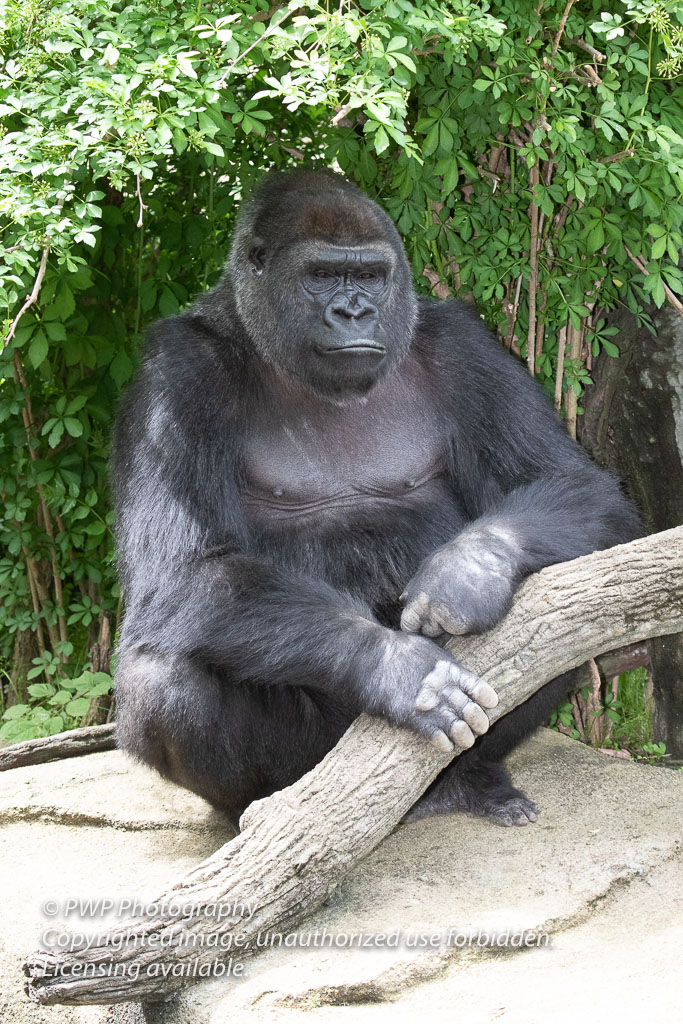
187	351
452	331
461	352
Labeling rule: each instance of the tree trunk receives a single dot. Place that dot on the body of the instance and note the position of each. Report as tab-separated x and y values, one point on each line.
633	424
296	843
25	649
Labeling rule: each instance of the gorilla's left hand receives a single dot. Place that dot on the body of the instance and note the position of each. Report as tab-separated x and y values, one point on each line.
466	586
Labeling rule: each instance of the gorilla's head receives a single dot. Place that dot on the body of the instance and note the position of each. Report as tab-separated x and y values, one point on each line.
322	284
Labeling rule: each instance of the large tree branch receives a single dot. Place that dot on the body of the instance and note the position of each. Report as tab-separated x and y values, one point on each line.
295	844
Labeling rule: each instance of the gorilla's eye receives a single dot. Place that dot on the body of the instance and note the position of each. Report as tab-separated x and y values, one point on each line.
367	276
321	274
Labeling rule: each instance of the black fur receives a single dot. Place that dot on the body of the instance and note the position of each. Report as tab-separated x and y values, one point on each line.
299	450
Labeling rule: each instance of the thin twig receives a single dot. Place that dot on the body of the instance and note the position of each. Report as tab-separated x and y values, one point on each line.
513	317
561	217
560	30
617	156
221	81
142	205
30	299
31	573
593	705
533	264
583	45
29	428
578	721
575	337
540	328
592	74
341	114
559	377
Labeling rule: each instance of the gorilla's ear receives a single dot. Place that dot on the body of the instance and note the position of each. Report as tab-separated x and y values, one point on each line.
257	257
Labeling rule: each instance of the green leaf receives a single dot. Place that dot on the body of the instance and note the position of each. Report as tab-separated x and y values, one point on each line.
73	350
121	369
596	237
397	43
445	138
16	711
431	141
381	140
40	690
407	61
77	707
658	248
451	177
64	302
186	67
56	434
658	292
38	349
168	303
76	404
73	426
55	331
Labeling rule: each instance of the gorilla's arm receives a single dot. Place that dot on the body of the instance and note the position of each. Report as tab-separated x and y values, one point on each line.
532	493
195	586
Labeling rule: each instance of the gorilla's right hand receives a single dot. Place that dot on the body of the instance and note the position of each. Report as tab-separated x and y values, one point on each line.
420	686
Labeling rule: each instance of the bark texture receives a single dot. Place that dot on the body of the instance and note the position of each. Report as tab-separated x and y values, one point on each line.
295	845
633	424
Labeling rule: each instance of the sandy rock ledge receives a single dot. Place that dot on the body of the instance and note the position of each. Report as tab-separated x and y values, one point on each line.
600	874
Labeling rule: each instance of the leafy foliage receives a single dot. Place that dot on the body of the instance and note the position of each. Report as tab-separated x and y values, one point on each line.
53	706
621	719
531	164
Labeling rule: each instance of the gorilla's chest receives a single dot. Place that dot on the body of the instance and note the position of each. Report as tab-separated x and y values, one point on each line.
315	459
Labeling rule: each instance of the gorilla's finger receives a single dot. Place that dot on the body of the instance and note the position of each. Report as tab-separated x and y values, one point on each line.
477	689
415	614
441	741
432	684
431	628
449	622
462	735
477	719
411	620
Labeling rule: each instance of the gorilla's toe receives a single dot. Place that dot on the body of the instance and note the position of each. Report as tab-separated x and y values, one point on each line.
515	811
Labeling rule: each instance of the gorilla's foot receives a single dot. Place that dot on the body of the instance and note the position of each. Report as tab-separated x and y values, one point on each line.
517	810
480	787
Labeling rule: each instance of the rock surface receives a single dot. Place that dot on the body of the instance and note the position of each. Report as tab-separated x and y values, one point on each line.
598	879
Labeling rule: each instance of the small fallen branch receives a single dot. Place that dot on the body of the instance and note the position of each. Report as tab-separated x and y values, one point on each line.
63	744
295	845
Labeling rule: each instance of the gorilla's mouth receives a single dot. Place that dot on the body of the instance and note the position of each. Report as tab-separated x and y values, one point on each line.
360	346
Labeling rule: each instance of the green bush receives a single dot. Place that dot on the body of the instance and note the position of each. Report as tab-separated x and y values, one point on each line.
532	164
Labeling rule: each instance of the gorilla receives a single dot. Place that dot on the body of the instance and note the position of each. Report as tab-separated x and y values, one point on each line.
318	478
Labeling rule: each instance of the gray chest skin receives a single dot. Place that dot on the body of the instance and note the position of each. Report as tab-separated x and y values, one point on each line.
306	457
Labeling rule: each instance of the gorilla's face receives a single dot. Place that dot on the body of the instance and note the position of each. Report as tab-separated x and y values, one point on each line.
333	303
323	287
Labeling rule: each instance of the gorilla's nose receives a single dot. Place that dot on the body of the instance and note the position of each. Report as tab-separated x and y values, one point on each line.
343	313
